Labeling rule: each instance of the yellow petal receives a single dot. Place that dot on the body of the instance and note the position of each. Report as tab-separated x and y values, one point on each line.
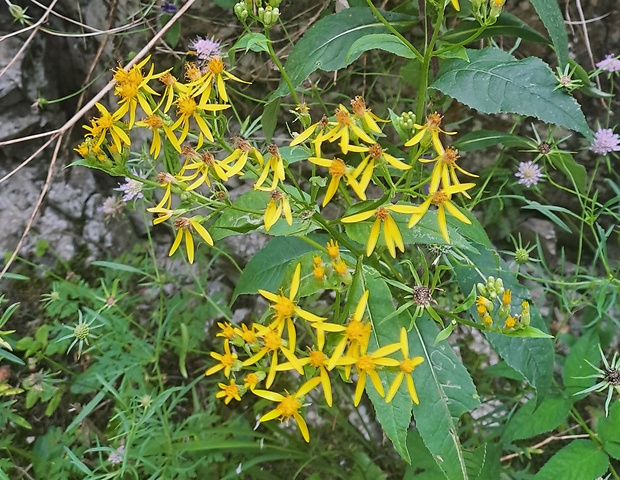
412	393
189	245
202	231
359	389
373	237
394	387
295	282
358	217
303	428
176	243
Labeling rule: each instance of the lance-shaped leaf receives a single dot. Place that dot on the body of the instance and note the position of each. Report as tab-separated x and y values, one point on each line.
496	82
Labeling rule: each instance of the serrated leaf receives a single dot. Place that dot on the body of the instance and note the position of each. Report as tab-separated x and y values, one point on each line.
579	460
531	357
479	139
551	16
257	42
609	431
506	25
446	391
530	420
267	268
475	461
425	466
395	416
381	41
326	44
575	366
495	82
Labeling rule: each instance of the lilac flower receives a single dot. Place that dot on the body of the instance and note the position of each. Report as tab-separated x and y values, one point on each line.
168	7
609	64
117	455
605	141
131	189
206	48
111	206
529	174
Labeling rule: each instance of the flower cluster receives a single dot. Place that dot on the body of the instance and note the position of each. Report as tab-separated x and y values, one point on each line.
529	174
294	339
605	141
357	133
494	291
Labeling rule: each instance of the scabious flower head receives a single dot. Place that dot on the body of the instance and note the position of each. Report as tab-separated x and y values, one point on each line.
605	141
529	174
131	189
206	48
609	64
168	7
110	207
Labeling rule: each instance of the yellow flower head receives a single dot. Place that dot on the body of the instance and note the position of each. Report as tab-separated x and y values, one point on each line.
277	206
228	392
407	365
433	127
333	250
184	227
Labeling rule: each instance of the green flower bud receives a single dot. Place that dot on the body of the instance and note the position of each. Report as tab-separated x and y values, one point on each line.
241	11
521	256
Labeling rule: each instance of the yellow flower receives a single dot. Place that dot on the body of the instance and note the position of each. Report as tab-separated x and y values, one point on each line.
228	392
366	365
318	269
333	250
172	87
187	108
356	334
441	199
203	164
432	126
445	169
391	233
320	127
277	206
132	87
273	343
343	128
251	380
369	119
275	164
407	365
108	122
215	67
154	122
162	209
240	155
247	334
337	170
289	405
285	307
228	331
226	360
185	226
367	165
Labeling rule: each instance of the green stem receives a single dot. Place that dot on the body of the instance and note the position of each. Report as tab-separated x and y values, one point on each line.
285	76
426	62
389	26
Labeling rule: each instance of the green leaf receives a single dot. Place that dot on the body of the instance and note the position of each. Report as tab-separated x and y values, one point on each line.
257	42
506	25
173	34
494	81
528	332
579	460
586	348
326	44
609	431
269	118
382	41
119	266
395	416
445	333
247	214
551	15
475	461
531	357
267	268
565	163
425	466
446	391
10	357
530	421
549	212
479	139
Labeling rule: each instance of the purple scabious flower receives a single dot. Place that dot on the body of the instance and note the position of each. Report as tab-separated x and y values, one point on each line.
605	141
169	7
609	64
529	174
206	48
131	189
